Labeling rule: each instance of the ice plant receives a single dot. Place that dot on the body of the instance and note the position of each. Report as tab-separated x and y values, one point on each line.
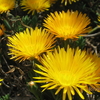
2	30
30	44
70	24
69	70
35	5
68	1
6	5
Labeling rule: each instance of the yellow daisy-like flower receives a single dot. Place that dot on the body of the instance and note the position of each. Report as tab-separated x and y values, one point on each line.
30	44
2	30
69	70
38	5
70	1
6	5
67	24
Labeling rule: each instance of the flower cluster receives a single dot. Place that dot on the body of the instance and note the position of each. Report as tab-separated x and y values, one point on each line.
67	69
31	5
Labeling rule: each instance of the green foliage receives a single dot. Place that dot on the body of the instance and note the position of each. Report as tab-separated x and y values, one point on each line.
5	97
80	42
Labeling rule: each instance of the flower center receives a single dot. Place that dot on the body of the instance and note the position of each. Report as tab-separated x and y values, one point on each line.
66	78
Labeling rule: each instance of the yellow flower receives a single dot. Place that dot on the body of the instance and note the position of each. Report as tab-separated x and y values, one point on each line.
70	1
2	30
30	44
99	18
38	5
69	70
1	81
67	24
6	5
